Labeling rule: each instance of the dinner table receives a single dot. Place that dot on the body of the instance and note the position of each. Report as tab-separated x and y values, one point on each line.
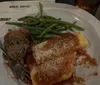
10	8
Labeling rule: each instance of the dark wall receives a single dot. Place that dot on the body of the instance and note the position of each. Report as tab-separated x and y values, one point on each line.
72	2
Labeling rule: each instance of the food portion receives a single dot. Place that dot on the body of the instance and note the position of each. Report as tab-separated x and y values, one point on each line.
50	62
44	49
17	43
54	71
57	46
55	58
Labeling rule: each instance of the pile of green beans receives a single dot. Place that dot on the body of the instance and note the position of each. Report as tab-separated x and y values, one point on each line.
43	27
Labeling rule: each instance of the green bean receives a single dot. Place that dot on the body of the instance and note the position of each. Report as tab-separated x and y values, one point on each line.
64	23
41	24
57	27
22	24
33	23
47	29
16	23
61	28
70	28
29	20
35	32
33	28
23	18
75	22
47	36
41	9
9	30
55	32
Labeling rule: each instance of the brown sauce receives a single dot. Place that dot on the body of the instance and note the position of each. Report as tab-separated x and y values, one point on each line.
94	74
29	61
87	58
72	80
79	80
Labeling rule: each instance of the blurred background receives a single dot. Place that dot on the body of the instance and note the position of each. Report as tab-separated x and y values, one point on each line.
91	6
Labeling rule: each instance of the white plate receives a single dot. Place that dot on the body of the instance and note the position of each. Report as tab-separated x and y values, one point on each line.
67	13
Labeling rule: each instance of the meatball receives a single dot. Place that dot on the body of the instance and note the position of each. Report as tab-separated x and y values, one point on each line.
17	43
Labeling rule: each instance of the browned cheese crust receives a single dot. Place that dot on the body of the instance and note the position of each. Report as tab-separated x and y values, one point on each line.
55	47
55	59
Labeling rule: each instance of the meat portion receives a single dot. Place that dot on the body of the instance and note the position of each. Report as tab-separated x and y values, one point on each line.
55	47
17	43
55	70
55	58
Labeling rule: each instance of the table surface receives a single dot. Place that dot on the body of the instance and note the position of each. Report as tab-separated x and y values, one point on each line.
72	2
